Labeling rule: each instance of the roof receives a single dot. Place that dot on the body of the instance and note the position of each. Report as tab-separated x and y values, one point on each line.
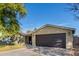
61	27
30	32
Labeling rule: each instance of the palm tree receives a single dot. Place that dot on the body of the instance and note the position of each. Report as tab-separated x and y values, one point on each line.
9	12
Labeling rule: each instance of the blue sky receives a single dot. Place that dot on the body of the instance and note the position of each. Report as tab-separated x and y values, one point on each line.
51	13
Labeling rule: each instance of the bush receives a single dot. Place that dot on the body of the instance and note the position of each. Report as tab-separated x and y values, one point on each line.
12	43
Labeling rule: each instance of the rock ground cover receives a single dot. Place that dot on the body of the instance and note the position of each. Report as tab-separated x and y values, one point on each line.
53	51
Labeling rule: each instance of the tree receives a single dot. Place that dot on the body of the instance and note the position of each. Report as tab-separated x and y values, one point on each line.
9	12
74	7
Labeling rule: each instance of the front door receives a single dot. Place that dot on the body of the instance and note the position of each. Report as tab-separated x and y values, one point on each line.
30	40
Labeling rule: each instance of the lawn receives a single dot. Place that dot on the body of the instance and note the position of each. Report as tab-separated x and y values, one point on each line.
10	47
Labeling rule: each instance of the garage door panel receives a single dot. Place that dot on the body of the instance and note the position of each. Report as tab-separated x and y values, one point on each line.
51	40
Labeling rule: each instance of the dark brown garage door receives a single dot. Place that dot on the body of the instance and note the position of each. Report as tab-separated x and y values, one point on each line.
51	40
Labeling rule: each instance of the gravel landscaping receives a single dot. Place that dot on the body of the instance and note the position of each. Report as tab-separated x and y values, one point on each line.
49	51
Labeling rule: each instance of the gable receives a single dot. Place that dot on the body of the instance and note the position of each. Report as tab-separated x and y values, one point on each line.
50	30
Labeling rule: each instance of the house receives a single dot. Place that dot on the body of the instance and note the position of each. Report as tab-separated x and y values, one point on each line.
51	36
76	42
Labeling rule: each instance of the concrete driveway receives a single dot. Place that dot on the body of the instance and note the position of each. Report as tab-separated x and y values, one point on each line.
19	52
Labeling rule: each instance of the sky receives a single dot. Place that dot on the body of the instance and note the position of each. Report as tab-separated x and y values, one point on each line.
39	14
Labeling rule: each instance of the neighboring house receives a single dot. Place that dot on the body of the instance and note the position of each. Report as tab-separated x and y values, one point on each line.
76	42
51	36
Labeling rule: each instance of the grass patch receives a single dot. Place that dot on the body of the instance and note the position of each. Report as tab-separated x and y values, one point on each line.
2	46
10	47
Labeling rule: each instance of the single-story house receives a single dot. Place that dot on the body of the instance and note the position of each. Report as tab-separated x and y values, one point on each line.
51	36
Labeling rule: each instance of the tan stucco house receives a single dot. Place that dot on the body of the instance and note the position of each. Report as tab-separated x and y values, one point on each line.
51	36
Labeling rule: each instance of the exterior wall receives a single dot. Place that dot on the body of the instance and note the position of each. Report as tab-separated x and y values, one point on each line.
69	40
33	40
53	30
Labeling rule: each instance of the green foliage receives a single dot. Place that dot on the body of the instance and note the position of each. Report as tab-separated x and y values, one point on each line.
9	25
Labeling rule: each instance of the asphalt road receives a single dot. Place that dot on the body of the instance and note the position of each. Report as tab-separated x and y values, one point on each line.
19	52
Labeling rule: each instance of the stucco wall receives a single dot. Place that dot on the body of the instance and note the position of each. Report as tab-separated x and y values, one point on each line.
69	40
54	30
